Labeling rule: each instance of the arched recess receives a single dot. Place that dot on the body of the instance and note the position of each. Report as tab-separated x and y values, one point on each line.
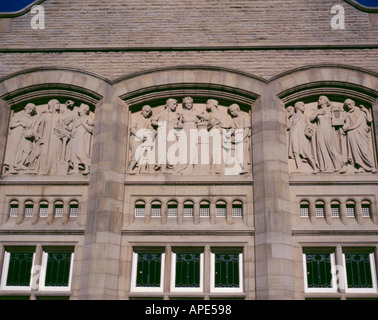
39	86
201	83
337	83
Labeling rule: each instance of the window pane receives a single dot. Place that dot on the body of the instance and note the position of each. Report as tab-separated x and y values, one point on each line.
365	208
188	210
237	210
58	269
319	210
227	270
358	271
74	210
204	210
304	211
220	210
335	210
58	210
319	270
148	270
140	210
20	264
13	212
156	210
28	210
188	270
43	210
172	210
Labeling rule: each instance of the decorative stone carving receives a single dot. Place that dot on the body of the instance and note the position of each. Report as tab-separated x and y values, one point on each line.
330	137
191	139
52	141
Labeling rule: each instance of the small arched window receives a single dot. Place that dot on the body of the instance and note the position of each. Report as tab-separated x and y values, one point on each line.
319	209
350	209
304	209
139	209
366	208
43	209
172	209
13	209
335	209
29	208
188	209
204	209
155	209
221	208
58	209
237	209
74	209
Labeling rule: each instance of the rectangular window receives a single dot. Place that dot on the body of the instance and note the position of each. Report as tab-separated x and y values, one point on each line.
43	210
365	208
58	208
226	271
350	210
220	210
156	210
187	271
318	268
335	210
148	271
56	269
17	269
140	210
172	210
319	210
188	210
237	210
13	211
29	210
204	210
74	210
360	272
304	210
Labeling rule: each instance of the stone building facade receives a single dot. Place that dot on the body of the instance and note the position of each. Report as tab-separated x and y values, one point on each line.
82	103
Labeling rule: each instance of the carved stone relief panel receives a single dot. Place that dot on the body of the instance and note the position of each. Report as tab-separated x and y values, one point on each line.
50	139
185	137
330	137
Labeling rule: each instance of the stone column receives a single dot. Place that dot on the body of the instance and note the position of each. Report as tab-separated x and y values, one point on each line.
102	243
273	244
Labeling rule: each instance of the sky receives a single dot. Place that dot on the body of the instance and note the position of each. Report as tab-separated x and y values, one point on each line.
16	5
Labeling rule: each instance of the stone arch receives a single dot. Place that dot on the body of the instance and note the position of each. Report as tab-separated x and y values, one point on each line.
155	87
41	85
337	83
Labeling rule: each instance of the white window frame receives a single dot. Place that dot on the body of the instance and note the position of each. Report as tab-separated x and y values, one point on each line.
134	270
373	277
173	275
4	276
333	274
42	279
212	276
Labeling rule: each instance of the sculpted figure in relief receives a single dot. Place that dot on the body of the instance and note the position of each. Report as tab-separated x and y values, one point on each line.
299	144
327	155
22	152
242	122
166	123
140	130
81	141
357	128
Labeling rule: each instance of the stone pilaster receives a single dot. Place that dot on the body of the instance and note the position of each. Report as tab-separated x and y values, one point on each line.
4	123
102	247
273	247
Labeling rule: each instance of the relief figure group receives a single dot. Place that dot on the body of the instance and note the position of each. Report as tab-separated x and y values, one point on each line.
186	140
331	137
56	141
